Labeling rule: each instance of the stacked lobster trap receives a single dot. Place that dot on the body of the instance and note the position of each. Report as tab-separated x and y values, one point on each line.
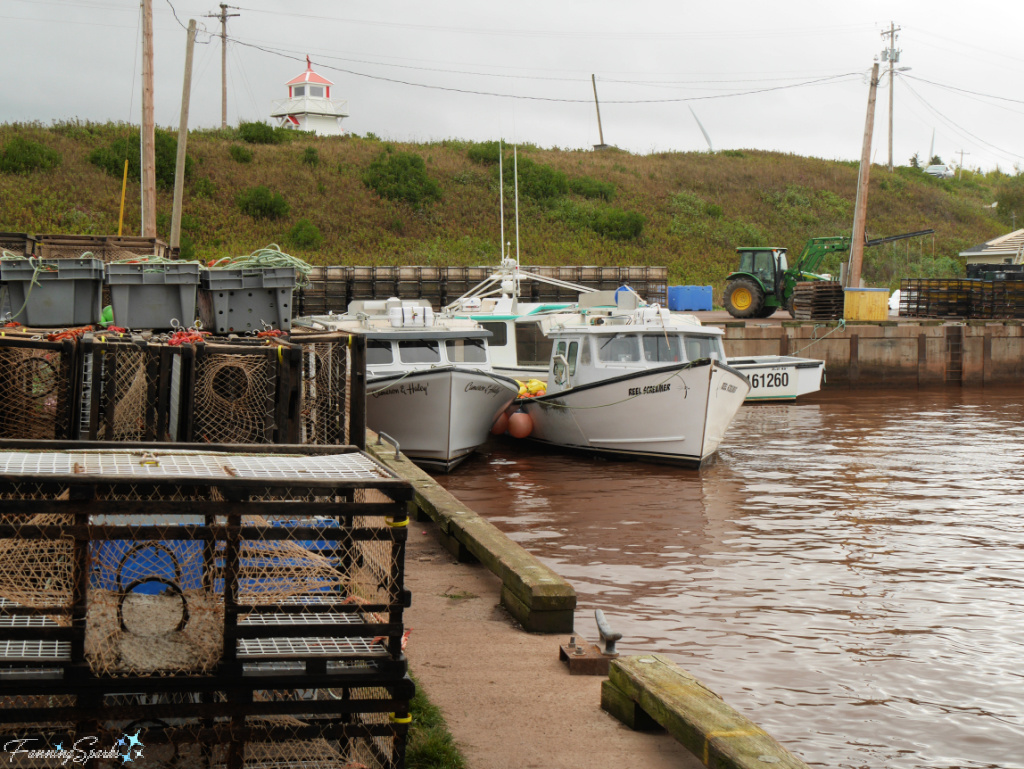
37	386
235	607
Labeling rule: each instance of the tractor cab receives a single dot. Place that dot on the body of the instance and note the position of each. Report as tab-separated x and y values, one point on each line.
756	289
766	264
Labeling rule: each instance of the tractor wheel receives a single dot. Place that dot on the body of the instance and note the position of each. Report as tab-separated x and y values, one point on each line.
743	298
790	306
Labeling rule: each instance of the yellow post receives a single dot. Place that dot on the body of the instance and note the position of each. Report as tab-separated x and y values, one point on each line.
124	186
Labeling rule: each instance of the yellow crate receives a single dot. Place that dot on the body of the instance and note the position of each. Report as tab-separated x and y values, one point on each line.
866	304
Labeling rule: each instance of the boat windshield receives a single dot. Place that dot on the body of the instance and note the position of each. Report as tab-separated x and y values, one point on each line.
698	346
621	348
419	351
662	348
532	347
466	350
378	353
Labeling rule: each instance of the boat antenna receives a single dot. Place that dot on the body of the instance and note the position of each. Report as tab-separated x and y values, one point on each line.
501	195
515	168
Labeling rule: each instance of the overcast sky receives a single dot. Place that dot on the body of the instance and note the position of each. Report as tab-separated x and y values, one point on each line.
784	75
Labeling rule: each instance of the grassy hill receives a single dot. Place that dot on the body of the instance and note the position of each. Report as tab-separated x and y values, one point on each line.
688	211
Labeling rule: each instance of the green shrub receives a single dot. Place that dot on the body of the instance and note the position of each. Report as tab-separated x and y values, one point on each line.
402	176
733	153
261	203
311	157
538	182
111	159
261	133
22	156
204	188
592	188
617	224
186	248
240	154
305	234
485	153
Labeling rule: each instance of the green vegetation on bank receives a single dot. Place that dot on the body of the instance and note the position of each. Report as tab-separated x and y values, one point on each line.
358	200
430	744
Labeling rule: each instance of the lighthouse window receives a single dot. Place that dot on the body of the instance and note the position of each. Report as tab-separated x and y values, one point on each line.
316	90
299	90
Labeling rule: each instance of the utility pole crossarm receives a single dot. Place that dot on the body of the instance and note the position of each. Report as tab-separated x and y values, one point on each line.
223	16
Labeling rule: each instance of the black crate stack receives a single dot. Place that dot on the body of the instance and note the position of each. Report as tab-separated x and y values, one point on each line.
206	608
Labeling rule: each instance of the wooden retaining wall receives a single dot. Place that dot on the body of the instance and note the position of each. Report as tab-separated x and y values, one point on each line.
923	353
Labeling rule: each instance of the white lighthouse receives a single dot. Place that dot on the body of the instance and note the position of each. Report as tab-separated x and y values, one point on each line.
309	106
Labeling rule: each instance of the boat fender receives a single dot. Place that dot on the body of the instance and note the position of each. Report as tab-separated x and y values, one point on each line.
500	424
520	425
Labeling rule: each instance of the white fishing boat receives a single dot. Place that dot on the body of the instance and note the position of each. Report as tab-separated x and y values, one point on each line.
633	381
430	385
779	377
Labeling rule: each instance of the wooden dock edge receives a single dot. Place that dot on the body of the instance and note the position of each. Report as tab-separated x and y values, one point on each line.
540	600
649	691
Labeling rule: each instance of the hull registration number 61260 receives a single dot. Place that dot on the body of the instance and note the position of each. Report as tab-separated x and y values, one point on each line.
769	379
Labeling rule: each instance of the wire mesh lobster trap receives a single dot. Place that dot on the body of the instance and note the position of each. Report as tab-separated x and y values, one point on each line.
37	387
242	392
333	387
193	589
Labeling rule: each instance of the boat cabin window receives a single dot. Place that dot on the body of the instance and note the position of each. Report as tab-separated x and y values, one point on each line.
662	348
585	352
378	353
703	347
499	333
466	350
419	351
532	347
573	350
621	348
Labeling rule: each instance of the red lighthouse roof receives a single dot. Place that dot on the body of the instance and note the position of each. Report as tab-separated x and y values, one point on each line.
309	76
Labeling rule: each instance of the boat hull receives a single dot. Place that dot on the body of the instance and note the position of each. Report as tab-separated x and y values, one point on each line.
438	416
779	377
675	414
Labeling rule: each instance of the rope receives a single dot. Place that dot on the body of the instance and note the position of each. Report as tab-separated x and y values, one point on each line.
269	257
841	325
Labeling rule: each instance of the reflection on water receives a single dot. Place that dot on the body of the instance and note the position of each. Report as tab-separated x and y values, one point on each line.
849	572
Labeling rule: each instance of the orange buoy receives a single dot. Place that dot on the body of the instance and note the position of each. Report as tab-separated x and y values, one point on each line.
520	425
500	424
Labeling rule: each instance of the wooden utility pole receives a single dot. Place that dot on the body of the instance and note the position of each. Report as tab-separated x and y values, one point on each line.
860	211
960	173
600	132
893	55
179	168
148	128
223	16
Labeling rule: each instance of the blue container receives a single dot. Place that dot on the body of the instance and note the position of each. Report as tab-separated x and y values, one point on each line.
689	298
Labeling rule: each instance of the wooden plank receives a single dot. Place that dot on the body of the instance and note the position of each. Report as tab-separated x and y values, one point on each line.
698	718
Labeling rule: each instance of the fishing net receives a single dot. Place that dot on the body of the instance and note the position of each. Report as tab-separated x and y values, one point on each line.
116	391
234	399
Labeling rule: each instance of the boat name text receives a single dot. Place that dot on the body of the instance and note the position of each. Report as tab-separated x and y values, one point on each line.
729	388
489	389
402	389
649	390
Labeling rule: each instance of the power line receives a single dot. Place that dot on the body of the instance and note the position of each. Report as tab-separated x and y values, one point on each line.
380	78
964	90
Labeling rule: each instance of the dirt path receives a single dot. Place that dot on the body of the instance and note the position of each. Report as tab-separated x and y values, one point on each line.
509	702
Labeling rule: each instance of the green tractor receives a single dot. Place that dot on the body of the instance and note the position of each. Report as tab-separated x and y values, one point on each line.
765	282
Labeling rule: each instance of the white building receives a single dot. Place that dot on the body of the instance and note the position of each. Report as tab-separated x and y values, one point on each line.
309	106
1006	249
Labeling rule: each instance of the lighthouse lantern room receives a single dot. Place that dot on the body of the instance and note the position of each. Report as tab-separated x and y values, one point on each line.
309	106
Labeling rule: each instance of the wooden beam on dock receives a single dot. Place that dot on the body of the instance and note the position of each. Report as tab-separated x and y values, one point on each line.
651	690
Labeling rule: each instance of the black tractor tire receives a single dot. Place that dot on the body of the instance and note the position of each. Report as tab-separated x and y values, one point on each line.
743	298
790	305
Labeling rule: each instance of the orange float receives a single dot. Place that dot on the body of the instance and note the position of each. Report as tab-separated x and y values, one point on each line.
520	425
500	424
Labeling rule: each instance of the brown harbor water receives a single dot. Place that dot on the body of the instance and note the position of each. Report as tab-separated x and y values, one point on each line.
849	573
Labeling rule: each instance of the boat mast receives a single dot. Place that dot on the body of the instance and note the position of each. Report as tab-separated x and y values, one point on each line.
515	168
501	199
